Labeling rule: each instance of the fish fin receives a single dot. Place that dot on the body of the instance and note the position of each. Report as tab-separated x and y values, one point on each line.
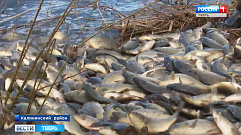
59	109
144	130
122	62
180	80
233	79
172	76
222	60
137	57
57	100
196	120
179	109
194	123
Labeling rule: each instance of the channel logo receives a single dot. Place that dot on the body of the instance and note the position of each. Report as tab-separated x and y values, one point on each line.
211	11
39	128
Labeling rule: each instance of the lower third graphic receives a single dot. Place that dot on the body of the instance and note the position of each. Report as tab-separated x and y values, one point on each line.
39	128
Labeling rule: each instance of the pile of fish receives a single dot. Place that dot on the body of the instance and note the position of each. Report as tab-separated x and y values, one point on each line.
175	83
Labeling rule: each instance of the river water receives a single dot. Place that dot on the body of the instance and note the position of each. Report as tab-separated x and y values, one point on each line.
73	24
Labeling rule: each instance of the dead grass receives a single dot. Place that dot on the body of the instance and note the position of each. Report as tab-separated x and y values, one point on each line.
159	19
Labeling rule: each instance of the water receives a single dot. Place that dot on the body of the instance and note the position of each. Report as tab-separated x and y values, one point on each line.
53	8
71	26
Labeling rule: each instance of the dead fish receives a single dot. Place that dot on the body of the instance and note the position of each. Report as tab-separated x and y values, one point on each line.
235	110
174	36
182	78
227	87
151	113
202	53
5	61
74	85
234	98
48	103
187	88
211	43
76	96
119	87
227	49
204	99
202	64
102	41
190	127
72	70
75	106
135	67
113	77
106	59
94	94
15	57
136	93
60	35
95	80
227	114
219	68
21	108
189	49
224	125
168	50
174	43
157	73
149	86
197	33
115	54
143	59
107	130
196	43
216	54
22	73
120	96
181	66
64	88
154	125
154	37
131	44
208	77
86	121
121	116
186	37
145	46
51	76
237	49
96	67
217	37
93	109
71	126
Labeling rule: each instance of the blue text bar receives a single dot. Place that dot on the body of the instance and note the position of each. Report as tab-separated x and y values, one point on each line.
49	128
39	128
42	117
207	9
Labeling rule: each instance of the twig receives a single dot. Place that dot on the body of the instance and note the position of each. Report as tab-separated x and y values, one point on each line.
17	15
21	57
37	58
116	23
